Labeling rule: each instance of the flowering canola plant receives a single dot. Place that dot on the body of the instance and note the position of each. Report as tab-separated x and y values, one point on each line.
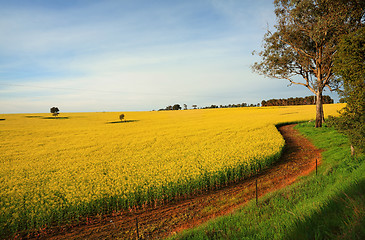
56	170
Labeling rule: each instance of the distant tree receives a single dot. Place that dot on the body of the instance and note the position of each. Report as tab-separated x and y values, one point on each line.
185	107
305	42
54	111
342	100
176	107
327	100
194	106
121	117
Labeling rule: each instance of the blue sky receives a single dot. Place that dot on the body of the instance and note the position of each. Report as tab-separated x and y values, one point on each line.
133	55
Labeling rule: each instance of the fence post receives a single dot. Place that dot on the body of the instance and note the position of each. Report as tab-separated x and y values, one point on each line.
316	167
257	201
137	228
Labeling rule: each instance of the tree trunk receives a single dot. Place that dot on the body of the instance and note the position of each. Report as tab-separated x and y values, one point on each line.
319	109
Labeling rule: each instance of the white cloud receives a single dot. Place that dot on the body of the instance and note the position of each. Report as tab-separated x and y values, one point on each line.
131	55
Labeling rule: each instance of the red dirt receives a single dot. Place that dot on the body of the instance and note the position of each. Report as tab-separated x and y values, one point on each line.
298	159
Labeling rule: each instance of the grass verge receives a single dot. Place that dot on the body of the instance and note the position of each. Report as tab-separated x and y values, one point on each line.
330	205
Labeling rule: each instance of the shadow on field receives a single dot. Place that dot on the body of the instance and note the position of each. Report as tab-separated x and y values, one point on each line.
343	217
33	116
126	121
289	113
2	119
55	118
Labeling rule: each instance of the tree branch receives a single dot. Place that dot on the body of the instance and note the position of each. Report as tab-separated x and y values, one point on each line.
303	84
328	75
335	89
298	51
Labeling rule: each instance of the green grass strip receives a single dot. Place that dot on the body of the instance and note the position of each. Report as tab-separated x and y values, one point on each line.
330	205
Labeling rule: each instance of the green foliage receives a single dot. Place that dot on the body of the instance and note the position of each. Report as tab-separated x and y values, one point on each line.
350	65
328	206
350	57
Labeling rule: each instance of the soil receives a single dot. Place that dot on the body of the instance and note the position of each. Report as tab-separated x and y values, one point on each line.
155	222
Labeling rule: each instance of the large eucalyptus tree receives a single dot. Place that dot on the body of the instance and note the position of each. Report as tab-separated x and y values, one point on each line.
302	47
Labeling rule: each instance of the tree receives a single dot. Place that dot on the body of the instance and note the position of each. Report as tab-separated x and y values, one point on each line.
121	117
342	100
54	111
176	107
185	107
305	42
350	66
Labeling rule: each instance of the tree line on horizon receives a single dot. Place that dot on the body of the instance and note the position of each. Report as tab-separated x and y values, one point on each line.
308	100
232	105
178	107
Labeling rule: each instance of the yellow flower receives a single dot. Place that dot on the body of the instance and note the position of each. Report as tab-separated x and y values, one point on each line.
49	166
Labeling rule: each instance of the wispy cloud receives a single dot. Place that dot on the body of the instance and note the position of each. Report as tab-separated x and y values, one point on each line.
130	55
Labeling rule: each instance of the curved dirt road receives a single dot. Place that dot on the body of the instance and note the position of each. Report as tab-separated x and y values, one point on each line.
298	159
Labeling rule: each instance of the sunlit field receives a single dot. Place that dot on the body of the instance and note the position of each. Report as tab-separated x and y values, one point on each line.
56	170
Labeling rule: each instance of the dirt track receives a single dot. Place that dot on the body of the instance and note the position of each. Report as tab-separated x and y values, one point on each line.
298	159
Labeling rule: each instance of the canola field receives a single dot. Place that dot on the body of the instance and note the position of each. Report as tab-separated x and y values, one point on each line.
57	170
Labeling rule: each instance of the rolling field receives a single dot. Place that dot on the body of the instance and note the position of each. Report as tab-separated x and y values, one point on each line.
58	170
